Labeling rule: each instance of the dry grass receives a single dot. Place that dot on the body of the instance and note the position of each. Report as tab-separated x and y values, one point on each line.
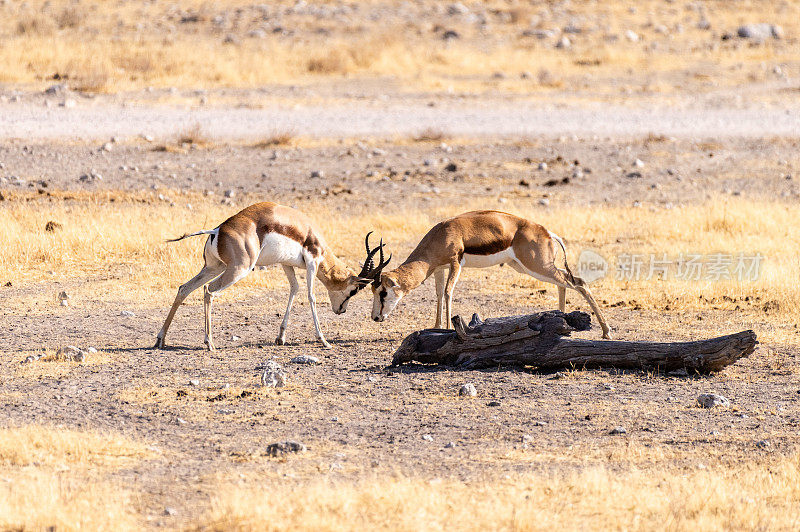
431	134
98	48
194	135
46	446
45	482
278	137
36	500
739	497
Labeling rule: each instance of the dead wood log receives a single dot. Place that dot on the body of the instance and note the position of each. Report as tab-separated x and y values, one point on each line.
542	340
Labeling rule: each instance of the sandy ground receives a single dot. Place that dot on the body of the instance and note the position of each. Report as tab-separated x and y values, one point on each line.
372	113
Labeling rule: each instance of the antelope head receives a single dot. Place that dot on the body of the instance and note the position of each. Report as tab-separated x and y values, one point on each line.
355	283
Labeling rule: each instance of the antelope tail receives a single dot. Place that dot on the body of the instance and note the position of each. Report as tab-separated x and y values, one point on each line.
564	249
198	233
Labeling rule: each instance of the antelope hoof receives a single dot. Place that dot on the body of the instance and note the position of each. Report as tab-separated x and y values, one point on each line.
325	344
159	343
209	345
607	336
280	341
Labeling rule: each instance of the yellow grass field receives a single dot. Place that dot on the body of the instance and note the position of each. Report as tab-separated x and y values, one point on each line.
97	47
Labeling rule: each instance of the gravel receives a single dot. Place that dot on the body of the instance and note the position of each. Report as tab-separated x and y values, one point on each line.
396	118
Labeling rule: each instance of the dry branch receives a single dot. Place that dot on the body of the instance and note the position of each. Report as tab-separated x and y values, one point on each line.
542	340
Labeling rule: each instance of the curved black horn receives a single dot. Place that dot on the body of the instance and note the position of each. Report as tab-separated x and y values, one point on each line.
369	264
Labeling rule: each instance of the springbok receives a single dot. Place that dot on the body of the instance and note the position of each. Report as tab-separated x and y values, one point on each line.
264	234
478	239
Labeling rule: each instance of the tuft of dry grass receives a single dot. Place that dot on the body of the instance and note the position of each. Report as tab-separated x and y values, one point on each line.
194	135
764	495
50	446
431	134
278	137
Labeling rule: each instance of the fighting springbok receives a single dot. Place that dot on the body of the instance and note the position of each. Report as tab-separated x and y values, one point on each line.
264	234
478	239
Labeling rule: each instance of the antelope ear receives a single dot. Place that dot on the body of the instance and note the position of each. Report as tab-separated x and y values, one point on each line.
393	283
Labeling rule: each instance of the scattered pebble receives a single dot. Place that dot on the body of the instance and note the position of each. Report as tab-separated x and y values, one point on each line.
763	444
427	437
194	382
285	447
710	400
305	359
468	390
493	403
449	445
760	32
273	375
127	314
170	511
619	430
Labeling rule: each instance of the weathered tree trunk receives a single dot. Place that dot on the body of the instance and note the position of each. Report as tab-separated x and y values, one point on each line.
541	340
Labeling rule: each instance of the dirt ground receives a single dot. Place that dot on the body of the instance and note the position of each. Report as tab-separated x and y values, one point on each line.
358	417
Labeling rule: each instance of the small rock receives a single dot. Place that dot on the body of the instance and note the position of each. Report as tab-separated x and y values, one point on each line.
305	359
527	438
634	175
761	32
285	447
148	138
230	193
194	382
31	358
710	400
67	104
63	299
493	403
427	437
542	165
539	423
457	9
763	444
468	390
631	35
317	174
544	201
449	445
71	353
273	375
170	511
619	430
92	351
563	43
451	167
638	163
59	89
127	314
106	147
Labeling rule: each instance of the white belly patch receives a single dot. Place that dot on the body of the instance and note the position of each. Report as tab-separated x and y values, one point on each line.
279	249
484	261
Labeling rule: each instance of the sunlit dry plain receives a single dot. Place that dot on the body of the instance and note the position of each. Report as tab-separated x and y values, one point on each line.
137	438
